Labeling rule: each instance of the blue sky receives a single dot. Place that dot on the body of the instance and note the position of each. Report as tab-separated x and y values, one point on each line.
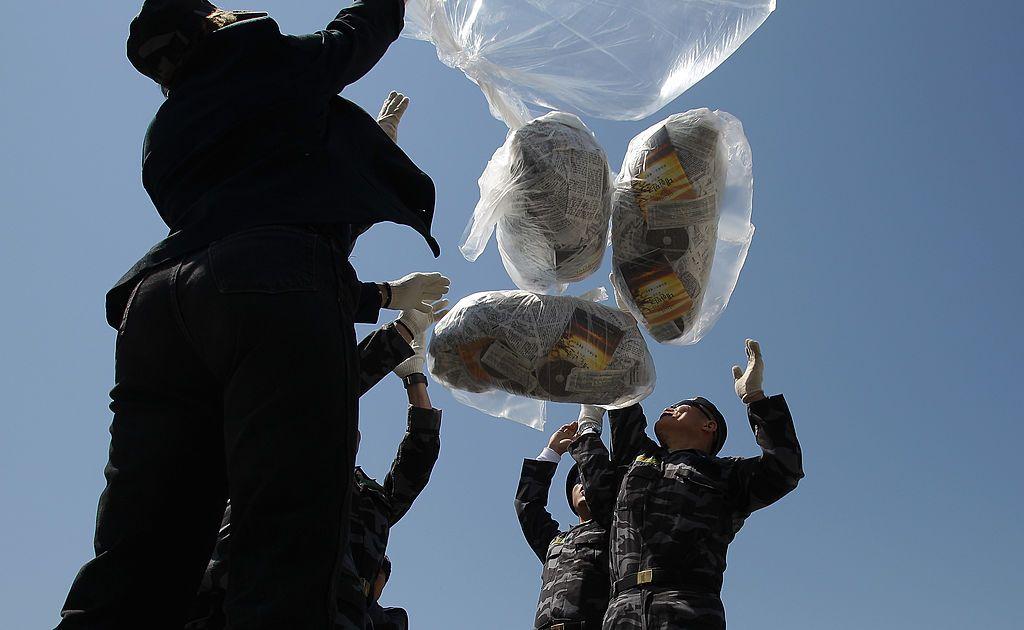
884	283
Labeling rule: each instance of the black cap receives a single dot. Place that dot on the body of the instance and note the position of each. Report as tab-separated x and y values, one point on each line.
571	480
166	33
712	412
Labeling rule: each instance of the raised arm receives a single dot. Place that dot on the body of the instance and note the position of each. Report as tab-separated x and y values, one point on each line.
380	353
421	445
760	481
538	526
417	455
599	476
629	435
353	42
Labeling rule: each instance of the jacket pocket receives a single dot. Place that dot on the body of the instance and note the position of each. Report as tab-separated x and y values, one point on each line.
265	260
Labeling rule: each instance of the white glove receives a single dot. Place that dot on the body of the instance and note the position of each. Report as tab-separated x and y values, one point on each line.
391	114
749	382
417	291
418	324
591	419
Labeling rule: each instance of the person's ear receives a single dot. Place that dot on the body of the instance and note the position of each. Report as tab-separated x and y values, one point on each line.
710	426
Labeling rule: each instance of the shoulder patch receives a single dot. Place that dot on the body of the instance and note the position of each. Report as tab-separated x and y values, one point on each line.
646	460
365	482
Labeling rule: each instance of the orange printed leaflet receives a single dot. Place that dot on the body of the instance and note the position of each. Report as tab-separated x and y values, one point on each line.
656	289
661	176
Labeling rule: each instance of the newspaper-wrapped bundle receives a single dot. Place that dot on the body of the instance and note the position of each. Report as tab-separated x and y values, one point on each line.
507	352
548	189
681	223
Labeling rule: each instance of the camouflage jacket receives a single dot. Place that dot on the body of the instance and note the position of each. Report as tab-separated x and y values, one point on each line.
678	511
376	507
379	353
387	618
574	582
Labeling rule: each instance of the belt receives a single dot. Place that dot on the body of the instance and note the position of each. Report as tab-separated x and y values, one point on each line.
568	625
663	577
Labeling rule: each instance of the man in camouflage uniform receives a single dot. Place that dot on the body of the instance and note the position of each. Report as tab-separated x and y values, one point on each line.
385	618
574	582
375	507
676	506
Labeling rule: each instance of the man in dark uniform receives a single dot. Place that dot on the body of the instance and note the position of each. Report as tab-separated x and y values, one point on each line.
397	347
675	505
236	367
574	582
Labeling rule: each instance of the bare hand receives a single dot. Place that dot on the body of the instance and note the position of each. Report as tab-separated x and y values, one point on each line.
562	438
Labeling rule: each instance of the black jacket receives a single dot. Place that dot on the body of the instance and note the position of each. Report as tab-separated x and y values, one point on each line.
254	133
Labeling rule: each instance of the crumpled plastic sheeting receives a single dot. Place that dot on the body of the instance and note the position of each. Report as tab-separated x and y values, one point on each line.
548	189
617	59
507	353
681	223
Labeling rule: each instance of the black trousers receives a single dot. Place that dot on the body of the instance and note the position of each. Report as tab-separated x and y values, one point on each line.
236	376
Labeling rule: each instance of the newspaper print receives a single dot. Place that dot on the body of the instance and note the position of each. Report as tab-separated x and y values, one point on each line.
556	188
665	222
558	349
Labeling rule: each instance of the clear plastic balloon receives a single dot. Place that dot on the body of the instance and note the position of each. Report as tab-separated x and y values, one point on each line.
681	223
548	190
508	353
617	59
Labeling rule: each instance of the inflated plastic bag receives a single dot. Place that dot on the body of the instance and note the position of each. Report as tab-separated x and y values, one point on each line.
618	59
681	223
549	190
506	352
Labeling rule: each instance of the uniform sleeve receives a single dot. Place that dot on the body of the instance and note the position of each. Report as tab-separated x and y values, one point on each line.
379	353
207	607
417	455
758	482
368	308
353	42
531	505
600	476
629	435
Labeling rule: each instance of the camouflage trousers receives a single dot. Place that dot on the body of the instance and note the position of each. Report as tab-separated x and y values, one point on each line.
664	609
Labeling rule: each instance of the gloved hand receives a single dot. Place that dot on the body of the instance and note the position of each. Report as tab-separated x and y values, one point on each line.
391	114
749	382
418	324
591	418
562	438
416	291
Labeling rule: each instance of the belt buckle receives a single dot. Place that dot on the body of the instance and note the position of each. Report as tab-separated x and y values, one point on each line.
645	577
557	626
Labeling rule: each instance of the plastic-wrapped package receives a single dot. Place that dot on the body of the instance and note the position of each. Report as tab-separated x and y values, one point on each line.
508	352
681	223
548	189
618	59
